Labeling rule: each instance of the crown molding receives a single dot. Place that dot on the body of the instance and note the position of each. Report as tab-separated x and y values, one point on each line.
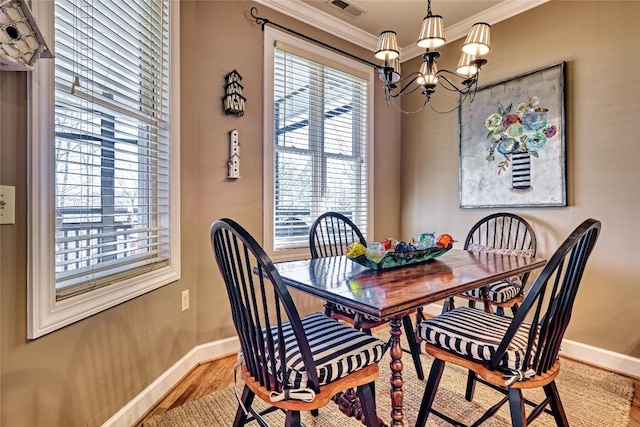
323	21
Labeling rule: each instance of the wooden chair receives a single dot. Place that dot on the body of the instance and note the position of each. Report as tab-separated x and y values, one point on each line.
331	235
504	233
295	364
513	354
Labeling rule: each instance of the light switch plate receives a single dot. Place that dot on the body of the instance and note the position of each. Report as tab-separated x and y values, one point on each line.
7	204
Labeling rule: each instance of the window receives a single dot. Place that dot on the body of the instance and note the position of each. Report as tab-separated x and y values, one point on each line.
318	141
104	160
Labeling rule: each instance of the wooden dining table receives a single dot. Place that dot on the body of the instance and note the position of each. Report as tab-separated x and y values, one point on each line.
392	293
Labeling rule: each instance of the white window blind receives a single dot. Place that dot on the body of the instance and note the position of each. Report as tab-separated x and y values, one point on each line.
111	141
320	125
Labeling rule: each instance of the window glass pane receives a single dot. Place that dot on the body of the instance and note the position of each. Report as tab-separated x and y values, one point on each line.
111	141
320	141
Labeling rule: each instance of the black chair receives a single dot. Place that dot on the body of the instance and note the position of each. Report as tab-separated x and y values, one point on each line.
295	364
507	234
332	234
513	354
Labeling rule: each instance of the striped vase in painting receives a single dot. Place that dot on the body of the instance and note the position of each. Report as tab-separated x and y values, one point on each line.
521	171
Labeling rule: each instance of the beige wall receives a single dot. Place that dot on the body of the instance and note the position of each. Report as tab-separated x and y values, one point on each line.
599	42
84	373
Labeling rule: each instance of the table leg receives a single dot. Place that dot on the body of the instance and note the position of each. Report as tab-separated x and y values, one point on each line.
395	351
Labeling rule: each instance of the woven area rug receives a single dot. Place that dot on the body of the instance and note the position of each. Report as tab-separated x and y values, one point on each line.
591	397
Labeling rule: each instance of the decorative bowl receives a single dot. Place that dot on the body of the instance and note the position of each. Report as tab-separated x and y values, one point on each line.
400	259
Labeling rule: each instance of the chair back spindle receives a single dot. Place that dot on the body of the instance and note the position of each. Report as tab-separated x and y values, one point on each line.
331	234
260	303
549	302
504	230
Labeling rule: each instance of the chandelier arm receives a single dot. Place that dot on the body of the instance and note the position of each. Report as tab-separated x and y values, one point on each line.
474	84
264	21
397	107
403	91
453	87
404	87
462	98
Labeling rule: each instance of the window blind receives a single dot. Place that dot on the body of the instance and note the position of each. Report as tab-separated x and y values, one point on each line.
320	140
111	141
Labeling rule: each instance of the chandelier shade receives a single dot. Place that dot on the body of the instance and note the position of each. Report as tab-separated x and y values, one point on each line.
478	41
464	80
394	64
432	33
428	74
387	46
466	65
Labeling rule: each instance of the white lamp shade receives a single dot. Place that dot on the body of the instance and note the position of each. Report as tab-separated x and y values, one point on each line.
387	46
428	74
478	41
466	67
395	64
431	34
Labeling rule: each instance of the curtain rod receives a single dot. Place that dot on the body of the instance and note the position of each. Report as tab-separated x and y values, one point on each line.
264	21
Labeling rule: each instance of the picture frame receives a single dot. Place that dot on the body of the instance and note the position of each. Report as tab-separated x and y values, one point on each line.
512	142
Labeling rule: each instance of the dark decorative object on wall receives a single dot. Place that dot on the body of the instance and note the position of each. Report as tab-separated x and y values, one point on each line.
233	100
512	142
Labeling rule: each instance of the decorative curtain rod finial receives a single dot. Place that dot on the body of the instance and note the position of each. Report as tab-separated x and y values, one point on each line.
259	20
264	21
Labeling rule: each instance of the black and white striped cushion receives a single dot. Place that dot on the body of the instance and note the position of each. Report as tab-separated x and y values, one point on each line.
337	349
352	313
499	292
504	290
475	334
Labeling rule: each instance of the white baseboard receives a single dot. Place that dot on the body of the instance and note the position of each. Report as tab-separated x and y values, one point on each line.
609	360
144	401
147	398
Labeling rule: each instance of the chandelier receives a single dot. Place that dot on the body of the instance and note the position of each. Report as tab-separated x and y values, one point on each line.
464	80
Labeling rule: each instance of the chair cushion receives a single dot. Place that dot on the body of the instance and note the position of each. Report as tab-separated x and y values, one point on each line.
475	247
337	349
499	292
475	334
352	313
504	290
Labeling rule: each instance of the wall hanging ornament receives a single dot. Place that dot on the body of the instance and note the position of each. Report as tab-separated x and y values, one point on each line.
233	165
233	101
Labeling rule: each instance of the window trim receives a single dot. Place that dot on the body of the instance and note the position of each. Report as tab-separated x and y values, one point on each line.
44	313
272	35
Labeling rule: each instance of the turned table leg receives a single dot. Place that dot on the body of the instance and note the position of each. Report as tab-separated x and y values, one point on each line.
395	351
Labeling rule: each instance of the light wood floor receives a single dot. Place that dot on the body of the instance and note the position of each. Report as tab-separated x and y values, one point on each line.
218	374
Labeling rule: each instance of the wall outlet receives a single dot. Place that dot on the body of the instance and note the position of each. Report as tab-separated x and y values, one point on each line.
185	300
7	204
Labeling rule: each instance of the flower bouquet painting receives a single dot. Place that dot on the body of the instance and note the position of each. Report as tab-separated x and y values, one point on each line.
512	142
517	134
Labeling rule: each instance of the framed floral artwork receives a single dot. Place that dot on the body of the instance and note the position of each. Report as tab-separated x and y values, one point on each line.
512	142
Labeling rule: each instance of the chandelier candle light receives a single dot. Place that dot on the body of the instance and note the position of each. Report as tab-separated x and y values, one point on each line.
428	77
